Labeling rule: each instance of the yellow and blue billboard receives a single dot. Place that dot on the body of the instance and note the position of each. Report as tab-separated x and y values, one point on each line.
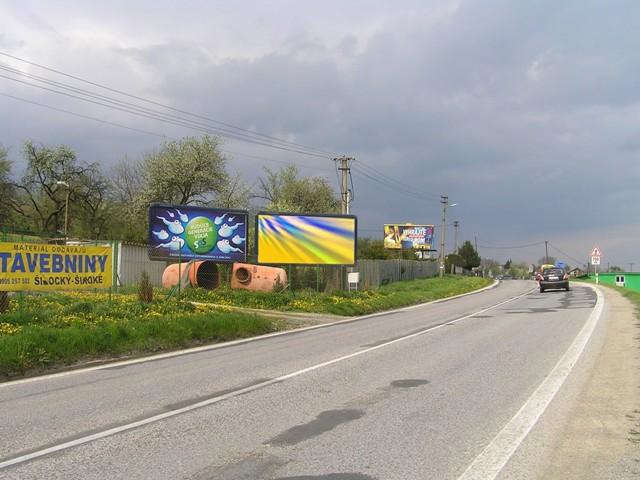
288	238
38	266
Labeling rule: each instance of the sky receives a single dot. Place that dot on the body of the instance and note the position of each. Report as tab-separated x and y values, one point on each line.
525	114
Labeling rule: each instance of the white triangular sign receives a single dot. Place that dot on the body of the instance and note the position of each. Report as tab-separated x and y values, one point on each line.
595	252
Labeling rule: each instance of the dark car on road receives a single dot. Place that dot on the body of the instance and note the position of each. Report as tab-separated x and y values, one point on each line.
553	279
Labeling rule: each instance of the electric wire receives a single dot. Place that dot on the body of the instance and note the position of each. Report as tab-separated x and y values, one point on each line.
565	254
120	92
146	132
399	183
395	188
164	119
511	247
117	102
86	117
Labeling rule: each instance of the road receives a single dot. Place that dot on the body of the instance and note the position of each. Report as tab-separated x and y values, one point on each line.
424	392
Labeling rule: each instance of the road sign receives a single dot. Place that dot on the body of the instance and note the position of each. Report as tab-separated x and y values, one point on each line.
596	252
595	259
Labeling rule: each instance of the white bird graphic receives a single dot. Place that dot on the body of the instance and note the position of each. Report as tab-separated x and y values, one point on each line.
218	220
231	219
227	230
225	247
183	216
162	234
170	214
176	243
237	239
174	226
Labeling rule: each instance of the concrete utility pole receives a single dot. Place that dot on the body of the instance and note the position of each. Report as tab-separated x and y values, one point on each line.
444	200
631	267
345	171
456	224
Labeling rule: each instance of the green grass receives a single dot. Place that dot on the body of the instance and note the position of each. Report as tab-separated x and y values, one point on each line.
42	331
45	331
395	295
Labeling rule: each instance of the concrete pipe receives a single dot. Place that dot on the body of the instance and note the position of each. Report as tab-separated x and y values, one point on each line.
203	274
257	277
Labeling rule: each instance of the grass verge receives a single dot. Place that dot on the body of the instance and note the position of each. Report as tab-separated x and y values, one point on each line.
394	295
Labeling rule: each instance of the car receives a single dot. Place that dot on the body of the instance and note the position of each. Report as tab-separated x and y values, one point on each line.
553	278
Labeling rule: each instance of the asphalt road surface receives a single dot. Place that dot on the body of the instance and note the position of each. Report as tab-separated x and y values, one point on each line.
441	391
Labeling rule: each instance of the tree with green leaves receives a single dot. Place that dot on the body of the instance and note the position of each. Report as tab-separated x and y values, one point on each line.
372	249
470	257
286	191
191	170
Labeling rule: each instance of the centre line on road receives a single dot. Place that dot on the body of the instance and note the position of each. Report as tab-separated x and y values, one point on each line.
491	461
211	401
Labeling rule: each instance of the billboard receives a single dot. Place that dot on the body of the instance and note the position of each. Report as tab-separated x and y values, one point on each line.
408	236
197	233
42	267
289	238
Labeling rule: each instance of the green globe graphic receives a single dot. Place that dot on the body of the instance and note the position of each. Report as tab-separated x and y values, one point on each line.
200	235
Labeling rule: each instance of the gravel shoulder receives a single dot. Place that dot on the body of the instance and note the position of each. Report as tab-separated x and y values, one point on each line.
601	434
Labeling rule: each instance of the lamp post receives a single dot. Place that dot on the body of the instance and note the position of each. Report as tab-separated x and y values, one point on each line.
444	200
66	207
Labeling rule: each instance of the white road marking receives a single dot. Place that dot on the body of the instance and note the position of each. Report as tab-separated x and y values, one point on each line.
491	461
214	400
205	348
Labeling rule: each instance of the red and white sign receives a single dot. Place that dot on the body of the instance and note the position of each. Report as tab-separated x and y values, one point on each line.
596	252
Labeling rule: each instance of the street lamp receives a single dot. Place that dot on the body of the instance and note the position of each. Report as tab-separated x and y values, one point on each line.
66	207
444	200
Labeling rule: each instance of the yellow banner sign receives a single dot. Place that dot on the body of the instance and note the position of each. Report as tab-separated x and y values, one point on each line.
36	266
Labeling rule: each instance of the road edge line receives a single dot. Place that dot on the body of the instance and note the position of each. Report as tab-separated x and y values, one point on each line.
490	462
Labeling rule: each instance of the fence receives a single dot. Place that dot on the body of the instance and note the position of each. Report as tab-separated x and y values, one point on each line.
374	273
130	260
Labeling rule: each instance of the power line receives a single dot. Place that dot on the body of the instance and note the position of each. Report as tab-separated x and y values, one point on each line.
511	247
397	189
120	92
399	183
128	106
146	132
580	262
86	117
163	118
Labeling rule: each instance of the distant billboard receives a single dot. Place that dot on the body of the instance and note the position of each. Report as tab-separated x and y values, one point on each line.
288	238
407	236
197	233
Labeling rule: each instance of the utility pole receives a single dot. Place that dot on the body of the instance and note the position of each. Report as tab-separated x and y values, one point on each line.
456	224
546	252
444	200
631	267
345	171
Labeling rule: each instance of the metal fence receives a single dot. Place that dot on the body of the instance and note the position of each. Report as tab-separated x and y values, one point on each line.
374	273
131	260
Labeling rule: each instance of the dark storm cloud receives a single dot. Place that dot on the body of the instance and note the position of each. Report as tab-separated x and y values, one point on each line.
525	113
